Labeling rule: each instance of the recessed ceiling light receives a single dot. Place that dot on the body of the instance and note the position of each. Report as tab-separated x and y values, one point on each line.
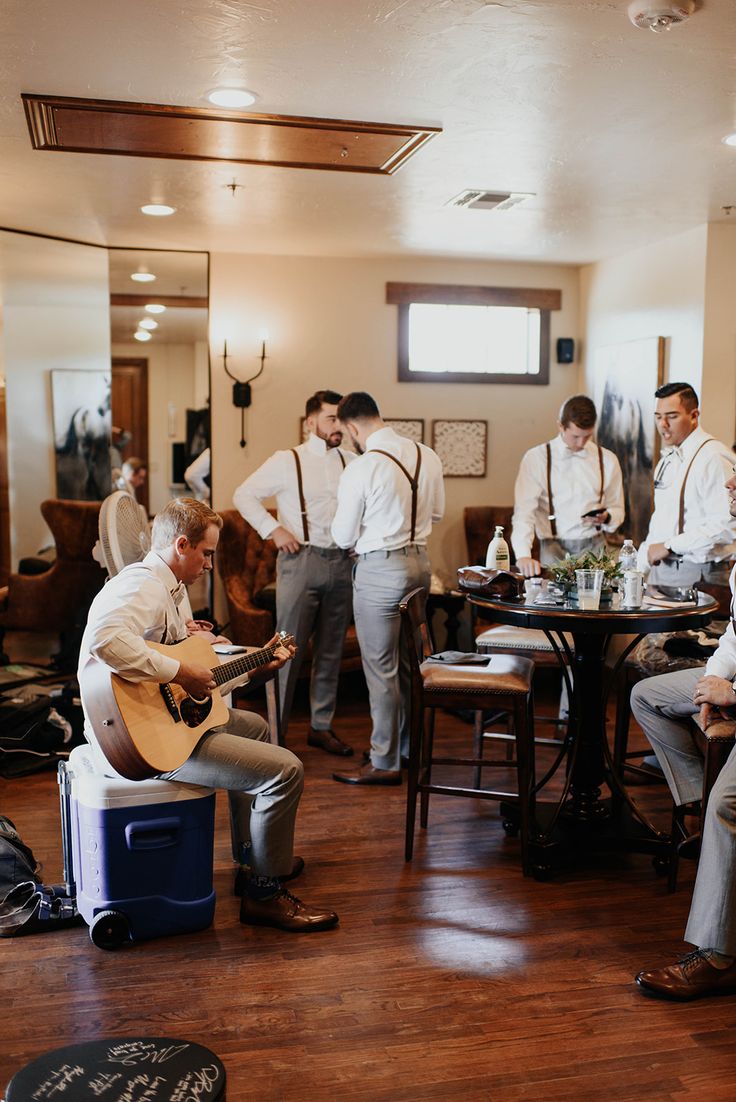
142	276
142	335
154	308
147	323
158	210
730	139
231	97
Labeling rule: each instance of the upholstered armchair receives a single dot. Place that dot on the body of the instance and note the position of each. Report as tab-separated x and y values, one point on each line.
247	566
58	599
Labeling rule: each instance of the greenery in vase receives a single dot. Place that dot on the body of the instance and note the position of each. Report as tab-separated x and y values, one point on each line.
563	571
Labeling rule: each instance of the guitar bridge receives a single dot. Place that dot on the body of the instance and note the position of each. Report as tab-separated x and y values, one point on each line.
167	694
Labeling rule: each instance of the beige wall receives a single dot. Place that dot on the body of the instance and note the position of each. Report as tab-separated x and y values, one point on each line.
55	306
719	347
654	292
329	326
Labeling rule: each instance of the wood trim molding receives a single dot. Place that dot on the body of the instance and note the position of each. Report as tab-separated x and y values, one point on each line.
192	133
454	294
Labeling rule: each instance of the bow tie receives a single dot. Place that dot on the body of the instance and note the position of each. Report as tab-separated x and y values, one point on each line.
177	594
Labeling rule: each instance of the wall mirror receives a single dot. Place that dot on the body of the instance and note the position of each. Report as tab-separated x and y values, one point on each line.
66	309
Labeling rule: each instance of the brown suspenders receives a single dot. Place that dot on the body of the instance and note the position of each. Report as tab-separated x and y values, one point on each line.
551	517
681	512
300	487
413	482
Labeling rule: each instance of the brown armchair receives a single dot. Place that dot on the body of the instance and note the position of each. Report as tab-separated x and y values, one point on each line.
247	566
58	599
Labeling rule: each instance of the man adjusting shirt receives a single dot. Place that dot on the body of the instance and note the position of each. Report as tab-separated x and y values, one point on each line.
692	535
313	576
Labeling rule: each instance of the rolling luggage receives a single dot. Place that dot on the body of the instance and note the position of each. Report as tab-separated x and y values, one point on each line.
137	854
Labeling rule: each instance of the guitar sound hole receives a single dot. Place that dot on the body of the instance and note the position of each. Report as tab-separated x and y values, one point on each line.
194	712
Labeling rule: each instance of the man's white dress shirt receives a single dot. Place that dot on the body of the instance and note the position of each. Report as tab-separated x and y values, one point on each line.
723	662
374	496
709	531
196	473
277	477
576	482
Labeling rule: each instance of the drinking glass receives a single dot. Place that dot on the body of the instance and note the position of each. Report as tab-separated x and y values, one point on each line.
589	588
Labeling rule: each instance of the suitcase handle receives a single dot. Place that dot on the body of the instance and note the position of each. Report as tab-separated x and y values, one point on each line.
153	833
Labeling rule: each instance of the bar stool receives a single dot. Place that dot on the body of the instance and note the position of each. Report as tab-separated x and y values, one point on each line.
507	685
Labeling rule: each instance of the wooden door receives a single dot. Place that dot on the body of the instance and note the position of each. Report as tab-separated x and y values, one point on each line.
4	497
130	410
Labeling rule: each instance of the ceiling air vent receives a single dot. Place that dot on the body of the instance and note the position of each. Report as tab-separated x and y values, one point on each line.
473	199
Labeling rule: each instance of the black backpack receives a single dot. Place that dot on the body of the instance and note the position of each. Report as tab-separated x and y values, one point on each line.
26	905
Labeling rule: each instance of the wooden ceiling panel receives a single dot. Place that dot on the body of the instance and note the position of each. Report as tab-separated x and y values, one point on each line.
190	133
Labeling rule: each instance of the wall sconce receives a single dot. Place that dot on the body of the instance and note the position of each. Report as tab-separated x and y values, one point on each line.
241	390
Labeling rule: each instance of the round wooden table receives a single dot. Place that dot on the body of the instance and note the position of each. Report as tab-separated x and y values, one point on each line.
580	818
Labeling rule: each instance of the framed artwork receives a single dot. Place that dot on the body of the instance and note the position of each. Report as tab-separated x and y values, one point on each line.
411	427
82	434
624	381
462	446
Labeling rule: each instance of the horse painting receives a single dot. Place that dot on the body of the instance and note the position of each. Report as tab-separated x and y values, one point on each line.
83	427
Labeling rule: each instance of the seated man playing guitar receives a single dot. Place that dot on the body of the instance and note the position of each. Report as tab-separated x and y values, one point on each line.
147	689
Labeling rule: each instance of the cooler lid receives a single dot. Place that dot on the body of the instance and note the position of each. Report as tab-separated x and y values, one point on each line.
92	788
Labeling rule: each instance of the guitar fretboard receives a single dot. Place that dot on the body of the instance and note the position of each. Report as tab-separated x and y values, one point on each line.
244	663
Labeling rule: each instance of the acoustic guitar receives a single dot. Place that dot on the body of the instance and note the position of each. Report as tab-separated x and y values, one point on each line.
145	728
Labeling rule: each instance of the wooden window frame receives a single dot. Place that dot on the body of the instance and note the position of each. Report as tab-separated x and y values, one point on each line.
404	295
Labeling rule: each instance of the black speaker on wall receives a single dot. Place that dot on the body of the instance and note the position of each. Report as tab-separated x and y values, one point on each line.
565	350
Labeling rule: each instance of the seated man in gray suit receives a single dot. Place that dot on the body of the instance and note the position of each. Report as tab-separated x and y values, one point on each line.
663	705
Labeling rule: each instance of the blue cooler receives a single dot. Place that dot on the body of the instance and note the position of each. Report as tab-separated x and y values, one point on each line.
141	854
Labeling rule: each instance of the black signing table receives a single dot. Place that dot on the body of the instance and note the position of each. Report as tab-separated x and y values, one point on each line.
580	819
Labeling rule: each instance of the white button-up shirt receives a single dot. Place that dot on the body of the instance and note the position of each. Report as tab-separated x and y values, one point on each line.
144	601
709	530
723	662
374	496
576	482
277	478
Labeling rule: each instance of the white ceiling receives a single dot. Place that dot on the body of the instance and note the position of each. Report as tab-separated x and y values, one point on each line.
616	130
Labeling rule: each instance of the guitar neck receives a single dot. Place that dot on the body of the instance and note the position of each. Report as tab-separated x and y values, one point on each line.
244	663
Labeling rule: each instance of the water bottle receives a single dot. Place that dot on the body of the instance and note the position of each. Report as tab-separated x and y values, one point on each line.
628	556
497	556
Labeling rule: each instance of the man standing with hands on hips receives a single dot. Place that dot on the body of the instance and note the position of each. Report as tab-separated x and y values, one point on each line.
387	501
568	492
692	535
313	576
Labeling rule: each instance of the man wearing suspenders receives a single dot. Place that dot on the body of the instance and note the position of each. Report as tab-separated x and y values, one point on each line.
313	576
663	705
691	534
568	492
387	502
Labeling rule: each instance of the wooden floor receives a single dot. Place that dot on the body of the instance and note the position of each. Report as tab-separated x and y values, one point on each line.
450	977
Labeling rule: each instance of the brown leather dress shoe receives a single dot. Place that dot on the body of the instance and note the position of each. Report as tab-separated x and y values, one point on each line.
329	741
690	978
368	774
241	876
285	912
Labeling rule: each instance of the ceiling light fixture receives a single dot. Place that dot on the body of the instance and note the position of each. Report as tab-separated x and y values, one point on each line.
142	335
147	323
154	308
660	15
730	139
158	210
231	97
142	276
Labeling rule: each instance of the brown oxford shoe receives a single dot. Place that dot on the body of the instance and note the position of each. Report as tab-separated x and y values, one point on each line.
690	978
368	774
285	912
241	876
329	741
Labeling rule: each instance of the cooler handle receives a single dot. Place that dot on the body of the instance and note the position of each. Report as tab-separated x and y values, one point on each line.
153	833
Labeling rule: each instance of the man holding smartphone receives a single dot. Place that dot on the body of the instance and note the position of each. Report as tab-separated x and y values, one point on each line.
569	492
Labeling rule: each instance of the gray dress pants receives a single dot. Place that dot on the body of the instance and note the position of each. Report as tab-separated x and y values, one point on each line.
313	601
380	580
263	782
661	705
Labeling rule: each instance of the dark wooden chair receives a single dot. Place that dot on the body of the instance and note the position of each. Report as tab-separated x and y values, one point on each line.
508	687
